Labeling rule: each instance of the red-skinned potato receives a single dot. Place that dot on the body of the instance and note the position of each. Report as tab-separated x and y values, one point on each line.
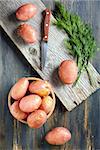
27	33
30	103
37	119
16	112
20	88
26	11
40	87
47	103
58	136
68	71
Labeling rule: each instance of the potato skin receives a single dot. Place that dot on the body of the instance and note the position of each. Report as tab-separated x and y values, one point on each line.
58	136
40	87
37	119
30	103
68	71
47	103
16	112
27	33
20	88
26	11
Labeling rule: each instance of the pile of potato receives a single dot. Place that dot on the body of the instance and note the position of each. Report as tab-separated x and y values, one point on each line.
31	101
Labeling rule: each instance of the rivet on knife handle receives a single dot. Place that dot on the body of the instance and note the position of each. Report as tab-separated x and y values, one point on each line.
46	24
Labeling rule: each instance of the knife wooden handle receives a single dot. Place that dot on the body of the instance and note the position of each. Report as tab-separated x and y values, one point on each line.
46	24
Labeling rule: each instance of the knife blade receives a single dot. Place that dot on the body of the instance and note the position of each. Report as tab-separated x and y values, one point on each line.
44	42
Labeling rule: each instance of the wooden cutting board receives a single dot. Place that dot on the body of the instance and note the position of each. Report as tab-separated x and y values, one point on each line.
68	95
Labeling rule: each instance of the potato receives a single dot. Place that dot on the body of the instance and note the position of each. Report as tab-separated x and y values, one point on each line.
37	119
40	87
16	112
47	103
30	103
58	136
26	11
27	33
68	71
20	88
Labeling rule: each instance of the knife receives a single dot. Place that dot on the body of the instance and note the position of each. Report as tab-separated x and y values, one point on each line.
44	42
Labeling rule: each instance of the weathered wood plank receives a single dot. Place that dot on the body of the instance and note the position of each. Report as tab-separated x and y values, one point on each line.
83	122
56	54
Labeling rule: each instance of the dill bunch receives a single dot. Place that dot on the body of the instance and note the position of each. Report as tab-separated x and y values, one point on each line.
81	43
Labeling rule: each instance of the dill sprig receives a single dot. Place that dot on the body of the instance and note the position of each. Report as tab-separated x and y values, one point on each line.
80	43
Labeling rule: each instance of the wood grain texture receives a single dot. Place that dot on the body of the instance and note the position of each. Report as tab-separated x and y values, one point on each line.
70	97
83	121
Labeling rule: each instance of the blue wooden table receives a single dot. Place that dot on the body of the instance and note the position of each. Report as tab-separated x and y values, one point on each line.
83	121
